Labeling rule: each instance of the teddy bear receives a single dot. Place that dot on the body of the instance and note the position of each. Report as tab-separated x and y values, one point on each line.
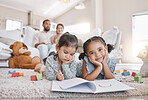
143	54
21	58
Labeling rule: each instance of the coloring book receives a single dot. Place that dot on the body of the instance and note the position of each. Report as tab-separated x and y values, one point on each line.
84	86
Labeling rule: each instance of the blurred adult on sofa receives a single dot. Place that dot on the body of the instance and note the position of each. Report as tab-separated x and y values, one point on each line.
59	32
42	39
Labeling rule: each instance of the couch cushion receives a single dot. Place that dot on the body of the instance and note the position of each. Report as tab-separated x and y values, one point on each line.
29	35
13	34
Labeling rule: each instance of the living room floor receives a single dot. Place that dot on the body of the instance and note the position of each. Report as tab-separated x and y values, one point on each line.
129	67
112	98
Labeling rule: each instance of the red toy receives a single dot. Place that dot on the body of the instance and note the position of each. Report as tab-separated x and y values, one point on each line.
133	73
15	74
33	78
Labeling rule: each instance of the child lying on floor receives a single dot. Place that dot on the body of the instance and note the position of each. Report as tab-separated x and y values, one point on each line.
62	66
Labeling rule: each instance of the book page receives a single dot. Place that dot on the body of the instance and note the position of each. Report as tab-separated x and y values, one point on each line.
84	86
110	85
78	88
65	84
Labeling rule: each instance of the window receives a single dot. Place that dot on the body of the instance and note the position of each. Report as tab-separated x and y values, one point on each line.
13	24
140	32
53	26
78	28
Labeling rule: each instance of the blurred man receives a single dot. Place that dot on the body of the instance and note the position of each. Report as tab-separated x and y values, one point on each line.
42	39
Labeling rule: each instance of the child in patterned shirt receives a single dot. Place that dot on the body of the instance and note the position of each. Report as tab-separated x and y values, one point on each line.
62	65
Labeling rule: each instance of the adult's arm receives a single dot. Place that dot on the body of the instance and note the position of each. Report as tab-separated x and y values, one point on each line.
36	45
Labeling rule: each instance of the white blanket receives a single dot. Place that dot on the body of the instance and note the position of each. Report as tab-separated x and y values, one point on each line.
5	52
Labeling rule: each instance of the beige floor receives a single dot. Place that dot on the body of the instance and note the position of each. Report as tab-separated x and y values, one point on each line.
135	67
119	98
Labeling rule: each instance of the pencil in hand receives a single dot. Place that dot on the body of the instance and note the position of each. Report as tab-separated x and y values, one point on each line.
57	71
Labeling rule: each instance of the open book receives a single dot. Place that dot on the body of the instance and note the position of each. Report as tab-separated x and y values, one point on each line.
84	86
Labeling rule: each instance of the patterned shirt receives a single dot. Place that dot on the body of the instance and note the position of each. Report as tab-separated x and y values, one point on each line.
90	67
70	70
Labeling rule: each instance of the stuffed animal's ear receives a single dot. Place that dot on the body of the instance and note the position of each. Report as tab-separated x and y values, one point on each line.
25	46
11	46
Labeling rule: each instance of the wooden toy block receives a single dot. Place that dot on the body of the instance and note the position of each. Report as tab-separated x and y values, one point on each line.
133	73
21	74
126	73
117	71
39	76
139	74
15	74
125	70
137	78
33	78
10	72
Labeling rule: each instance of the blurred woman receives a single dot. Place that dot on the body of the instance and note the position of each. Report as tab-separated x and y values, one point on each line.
59	32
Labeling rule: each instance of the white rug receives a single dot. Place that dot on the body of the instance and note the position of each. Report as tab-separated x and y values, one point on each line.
23	87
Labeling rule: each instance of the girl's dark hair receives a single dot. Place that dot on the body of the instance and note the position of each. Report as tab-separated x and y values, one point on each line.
51	53
95	38
68	39
60	25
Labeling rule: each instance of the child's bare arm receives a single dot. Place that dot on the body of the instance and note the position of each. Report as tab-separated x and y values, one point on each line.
107	71
92	76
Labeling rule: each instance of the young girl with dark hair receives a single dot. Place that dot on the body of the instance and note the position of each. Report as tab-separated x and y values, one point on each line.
96	64
62	66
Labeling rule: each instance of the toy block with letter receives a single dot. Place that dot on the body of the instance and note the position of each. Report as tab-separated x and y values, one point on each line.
33	78
138	77
133	73
39	76
15	74
21	74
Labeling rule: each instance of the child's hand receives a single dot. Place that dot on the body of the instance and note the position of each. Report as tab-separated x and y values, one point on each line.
60	76
70	60
105	57
95	62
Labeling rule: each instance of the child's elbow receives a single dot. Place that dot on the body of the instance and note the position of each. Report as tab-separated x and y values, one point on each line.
111	77
88	78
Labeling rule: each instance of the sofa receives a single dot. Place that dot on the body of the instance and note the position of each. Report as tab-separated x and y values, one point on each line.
112	36
9	37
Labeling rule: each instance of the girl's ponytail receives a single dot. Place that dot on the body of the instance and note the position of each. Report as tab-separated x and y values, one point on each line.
81	56
110	47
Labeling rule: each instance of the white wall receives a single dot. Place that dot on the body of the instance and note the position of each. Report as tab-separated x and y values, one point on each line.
119	13
114	13
99	13
88	14
17	15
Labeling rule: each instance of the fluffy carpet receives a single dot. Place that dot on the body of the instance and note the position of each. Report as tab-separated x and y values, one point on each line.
23	87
